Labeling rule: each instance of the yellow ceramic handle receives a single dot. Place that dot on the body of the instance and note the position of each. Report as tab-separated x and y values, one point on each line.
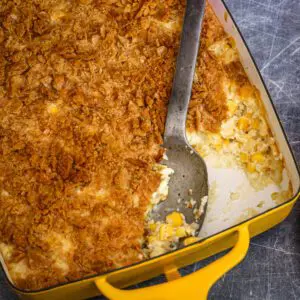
193	287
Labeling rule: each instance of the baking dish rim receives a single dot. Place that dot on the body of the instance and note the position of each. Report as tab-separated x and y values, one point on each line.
160	257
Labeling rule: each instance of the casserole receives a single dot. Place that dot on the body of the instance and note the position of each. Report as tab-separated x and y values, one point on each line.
169	259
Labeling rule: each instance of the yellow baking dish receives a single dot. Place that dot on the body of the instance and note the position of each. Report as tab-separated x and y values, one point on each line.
196	285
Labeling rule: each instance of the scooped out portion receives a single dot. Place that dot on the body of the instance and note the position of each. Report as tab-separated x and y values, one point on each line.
84	87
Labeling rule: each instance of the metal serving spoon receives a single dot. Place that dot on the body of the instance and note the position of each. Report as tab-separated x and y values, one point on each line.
190	177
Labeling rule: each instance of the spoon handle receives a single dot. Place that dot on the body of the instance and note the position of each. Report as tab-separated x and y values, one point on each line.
184	73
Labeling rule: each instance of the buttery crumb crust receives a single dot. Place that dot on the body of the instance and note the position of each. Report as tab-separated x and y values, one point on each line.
84	86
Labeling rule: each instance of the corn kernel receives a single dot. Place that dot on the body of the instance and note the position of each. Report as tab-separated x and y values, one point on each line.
190	240
218	147
246	91
152	238
275	196
57	15
258	157
180	232
153	227
255	123
243	123
244	157
225	142
251	167
175	219
286	195
232	107
165	231
52	108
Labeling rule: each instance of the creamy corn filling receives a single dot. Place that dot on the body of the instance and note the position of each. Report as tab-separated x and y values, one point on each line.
244	142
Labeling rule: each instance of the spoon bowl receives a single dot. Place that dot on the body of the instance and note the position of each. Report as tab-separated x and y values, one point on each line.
187	185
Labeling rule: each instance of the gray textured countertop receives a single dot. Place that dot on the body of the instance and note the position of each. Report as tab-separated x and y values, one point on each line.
271	269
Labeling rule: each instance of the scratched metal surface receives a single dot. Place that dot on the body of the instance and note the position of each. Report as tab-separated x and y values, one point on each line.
271	269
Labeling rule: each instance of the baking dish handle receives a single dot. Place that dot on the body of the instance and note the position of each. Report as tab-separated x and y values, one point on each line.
193	287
